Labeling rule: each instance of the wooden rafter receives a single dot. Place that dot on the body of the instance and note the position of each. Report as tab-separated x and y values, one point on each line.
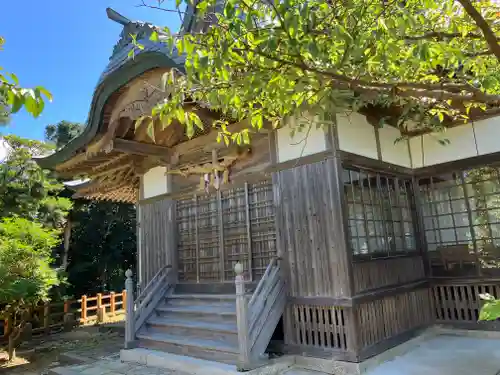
79	158
115	160
110	171
143	149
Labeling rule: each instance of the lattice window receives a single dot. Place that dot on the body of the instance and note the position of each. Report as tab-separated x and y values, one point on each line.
262	226
461	217
186	239
379	214
246	215
235	230
208	237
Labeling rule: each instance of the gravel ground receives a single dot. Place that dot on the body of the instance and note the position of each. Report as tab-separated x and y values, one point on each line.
40	355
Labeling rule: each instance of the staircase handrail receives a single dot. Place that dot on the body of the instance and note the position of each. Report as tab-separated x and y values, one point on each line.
263	280
257	319
151	282
139	309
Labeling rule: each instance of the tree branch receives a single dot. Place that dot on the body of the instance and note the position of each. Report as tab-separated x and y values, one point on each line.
442	36
488	33
438	91
178	11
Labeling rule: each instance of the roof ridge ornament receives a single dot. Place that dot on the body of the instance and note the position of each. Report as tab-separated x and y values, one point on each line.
140	30
113	15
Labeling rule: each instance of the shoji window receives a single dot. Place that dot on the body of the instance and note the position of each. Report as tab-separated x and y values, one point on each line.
461	217
380	220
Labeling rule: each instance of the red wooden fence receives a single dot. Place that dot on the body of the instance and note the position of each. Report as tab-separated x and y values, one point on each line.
48	317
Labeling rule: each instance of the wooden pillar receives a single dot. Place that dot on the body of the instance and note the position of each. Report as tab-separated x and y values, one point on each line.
242	318
171	243
339	207
129	312
138	219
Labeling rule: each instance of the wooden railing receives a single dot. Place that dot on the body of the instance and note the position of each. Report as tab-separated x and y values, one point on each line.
49	317
139	309
111	304
257	319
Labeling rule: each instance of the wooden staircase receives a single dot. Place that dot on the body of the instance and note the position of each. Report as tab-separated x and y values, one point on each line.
232	328
197	325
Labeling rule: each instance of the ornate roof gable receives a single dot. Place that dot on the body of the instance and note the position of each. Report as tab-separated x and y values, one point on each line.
141	30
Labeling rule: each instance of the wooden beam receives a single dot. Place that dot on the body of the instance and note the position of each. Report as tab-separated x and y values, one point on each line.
209	141
143	149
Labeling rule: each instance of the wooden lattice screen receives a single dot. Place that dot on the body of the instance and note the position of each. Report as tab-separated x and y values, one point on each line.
326	327
391	316
460	303
217	230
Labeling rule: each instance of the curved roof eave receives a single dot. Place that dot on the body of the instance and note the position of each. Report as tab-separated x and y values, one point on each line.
131	69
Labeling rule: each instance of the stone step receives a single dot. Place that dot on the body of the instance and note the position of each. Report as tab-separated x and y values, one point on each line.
299	371
195	366
228	327
219	331
215	350
200	299
208	313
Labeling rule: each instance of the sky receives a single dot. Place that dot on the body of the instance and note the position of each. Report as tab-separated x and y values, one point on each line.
64	46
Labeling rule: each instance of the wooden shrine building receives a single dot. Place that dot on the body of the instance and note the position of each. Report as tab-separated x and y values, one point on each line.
349	245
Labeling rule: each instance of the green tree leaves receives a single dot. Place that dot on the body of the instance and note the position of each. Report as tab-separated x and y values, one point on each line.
274	59
26	275
490	309
13	97
28	191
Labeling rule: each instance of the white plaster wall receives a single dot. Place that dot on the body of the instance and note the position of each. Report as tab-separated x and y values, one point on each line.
394	152
356	135
426	150
154	182
289	148
487	134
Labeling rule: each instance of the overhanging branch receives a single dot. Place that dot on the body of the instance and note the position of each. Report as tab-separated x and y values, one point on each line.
483	25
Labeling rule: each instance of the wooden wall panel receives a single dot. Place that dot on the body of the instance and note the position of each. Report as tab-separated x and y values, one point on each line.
157	227
310	239
391	316
387	272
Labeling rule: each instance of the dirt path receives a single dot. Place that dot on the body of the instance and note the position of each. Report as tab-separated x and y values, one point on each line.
40	355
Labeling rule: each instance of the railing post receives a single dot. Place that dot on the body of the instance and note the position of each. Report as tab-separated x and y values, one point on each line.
83	317
124	301
242	318
112	303
46	317
129	312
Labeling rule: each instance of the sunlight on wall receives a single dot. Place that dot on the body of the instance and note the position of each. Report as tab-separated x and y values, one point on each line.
302	144
154	182
356	135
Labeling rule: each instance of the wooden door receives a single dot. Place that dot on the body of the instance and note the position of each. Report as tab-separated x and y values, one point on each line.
217	230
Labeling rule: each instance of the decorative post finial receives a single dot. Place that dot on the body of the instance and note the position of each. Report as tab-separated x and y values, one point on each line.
128	273
238	269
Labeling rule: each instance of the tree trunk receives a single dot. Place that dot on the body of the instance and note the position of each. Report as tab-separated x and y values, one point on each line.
67	237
